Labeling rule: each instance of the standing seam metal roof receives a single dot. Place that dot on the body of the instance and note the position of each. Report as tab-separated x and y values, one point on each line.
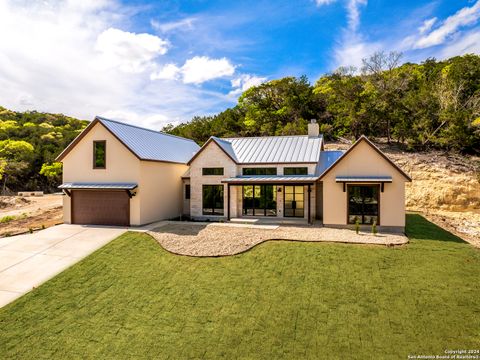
272	149
150	144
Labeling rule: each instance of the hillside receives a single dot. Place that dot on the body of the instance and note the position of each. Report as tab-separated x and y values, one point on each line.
28	140
445	187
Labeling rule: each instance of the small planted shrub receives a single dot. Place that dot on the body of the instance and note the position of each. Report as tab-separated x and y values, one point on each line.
357	225
374	228
43	226
7	219
30	230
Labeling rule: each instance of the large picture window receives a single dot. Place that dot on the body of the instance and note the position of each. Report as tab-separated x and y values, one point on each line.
259	171
295	171
212	171
363	204
259	200
212	199
99	154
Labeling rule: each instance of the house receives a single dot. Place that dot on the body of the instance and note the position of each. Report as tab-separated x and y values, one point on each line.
294	177
119	174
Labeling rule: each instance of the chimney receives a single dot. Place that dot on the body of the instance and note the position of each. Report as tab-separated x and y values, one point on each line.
313	129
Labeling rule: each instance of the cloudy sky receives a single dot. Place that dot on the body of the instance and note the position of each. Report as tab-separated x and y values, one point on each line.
158	62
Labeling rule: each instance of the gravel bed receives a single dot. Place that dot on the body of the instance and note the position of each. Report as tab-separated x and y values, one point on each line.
221	240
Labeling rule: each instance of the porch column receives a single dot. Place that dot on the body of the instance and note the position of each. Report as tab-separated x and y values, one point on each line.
228	201
309	205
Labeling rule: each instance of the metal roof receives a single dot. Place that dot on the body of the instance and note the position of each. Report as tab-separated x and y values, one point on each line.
272	149
150	144
271	179
360	179
327	158
102	186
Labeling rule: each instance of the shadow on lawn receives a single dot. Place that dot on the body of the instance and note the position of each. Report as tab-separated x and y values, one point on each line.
420	228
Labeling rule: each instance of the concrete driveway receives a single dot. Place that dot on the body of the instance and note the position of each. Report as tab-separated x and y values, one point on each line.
26	261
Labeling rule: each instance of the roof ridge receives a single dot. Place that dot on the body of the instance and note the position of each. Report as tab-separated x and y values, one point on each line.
267	136
101	118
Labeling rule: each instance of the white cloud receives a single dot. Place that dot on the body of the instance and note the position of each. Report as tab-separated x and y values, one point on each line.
468	43
245	82
201	68
167	72
353	13
324	2
427	25
181	25
463	17
196	70
351	47
128	51
352	51
53	58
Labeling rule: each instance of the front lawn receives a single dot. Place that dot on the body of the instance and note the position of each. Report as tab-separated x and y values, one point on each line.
281	300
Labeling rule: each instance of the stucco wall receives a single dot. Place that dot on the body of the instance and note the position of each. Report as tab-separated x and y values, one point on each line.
160	190
364	161
121	166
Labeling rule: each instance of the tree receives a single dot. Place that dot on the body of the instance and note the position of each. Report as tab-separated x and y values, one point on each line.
53	172
16	154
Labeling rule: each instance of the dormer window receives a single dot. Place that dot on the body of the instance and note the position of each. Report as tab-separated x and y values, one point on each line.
99	154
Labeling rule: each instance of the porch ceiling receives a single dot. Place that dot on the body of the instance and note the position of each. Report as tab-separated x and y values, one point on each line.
271	179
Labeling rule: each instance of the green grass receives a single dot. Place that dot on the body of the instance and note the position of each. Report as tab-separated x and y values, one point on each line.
7	219
282	300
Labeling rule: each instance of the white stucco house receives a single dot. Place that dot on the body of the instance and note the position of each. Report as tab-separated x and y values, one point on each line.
115	173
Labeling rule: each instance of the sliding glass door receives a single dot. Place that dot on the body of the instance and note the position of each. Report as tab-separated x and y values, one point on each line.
294	201
259	200
363	204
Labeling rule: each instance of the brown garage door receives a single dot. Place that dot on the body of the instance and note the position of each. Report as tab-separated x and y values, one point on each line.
100	207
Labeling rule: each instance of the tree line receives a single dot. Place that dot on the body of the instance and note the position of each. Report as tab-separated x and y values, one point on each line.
29	143
434	104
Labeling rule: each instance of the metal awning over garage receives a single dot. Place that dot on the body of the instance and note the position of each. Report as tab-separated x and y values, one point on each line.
363	180
98	186
271	179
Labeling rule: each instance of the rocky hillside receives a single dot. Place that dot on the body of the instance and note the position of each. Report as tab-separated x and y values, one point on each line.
445	187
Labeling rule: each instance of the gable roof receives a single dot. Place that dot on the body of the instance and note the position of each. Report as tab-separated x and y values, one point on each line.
144	143
269	149
363	138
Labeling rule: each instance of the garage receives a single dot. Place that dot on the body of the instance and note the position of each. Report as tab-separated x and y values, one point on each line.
100	204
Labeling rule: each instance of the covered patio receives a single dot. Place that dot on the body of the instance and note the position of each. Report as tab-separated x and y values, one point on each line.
272	198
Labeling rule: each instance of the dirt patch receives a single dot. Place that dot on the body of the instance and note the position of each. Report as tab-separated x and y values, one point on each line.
228	239
20	214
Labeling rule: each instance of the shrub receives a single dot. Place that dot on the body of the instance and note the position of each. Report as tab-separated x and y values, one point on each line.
7	219
374	228
357	225
30	230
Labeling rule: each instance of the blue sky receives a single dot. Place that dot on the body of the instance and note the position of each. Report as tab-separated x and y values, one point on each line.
152	63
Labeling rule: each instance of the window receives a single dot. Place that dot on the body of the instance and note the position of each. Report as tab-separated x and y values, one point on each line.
295	171
259	200
363	204
187	192
259	171
212	171
212	198
99	154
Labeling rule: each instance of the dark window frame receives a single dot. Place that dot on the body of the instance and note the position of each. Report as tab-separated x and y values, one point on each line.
297	170
95	142
294	202
214	210
349	186
256	171
187	191
265	209
215	171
